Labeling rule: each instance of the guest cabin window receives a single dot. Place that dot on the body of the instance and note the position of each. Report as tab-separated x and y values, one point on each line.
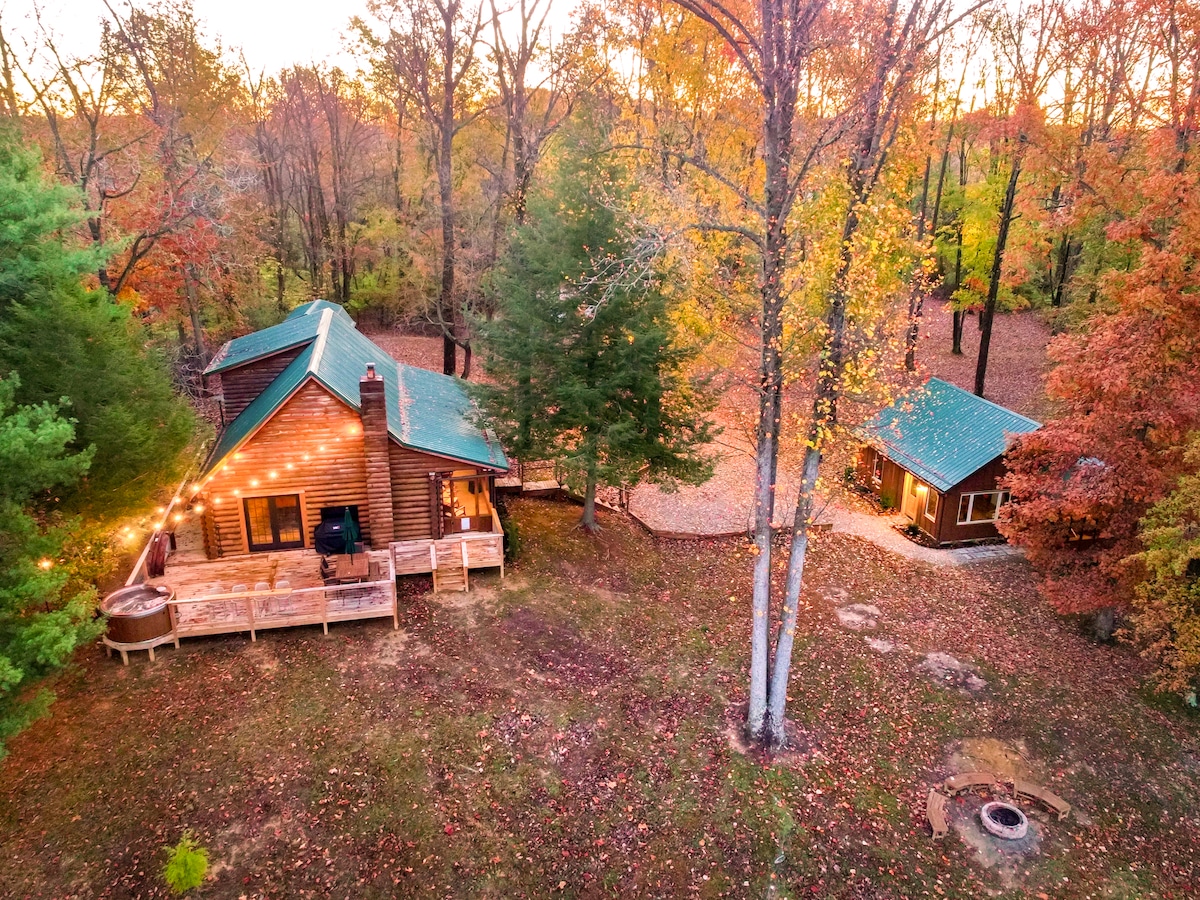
877	468
931	504
980	508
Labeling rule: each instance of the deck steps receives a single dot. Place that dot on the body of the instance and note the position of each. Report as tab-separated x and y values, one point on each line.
451	573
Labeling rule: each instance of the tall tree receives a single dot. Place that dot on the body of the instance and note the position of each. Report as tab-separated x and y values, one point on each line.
432	49
584	364
802	109
65	341
1028	40
44	614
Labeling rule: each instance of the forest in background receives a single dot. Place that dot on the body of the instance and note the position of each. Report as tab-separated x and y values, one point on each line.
811	175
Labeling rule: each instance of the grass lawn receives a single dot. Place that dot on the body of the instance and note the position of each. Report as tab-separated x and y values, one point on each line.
571	731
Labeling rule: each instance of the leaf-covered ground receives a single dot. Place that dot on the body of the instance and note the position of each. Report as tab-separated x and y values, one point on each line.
572	732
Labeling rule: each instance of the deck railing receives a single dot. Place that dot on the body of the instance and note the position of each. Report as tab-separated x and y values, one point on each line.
477	549
254	611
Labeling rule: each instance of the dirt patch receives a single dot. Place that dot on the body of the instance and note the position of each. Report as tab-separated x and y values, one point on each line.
557	652
1005	759
396	647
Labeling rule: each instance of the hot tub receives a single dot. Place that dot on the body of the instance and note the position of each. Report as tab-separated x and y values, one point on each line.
138	613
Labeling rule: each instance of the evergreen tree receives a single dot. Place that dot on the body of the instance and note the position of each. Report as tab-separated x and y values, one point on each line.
44	613
66	341
585	365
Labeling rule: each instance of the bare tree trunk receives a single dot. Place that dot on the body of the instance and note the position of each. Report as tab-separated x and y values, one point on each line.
989	309
956	334
588	522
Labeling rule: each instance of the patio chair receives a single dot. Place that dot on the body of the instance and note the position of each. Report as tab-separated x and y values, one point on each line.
262	586
238	589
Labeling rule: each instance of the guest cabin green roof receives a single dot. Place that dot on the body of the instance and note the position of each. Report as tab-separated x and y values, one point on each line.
943	434
426	411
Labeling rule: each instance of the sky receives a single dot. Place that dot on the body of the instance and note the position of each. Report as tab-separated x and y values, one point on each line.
273	34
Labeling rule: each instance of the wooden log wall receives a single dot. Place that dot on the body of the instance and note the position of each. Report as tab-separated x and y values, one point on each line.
333	476
241	385
412	499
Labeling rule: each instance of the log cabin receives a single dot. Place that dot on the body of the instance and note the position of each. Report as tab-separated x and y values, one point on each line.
937	455
321	428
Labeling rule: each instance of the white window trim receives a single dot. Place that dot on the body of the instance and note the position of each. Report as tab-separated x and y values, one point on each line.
930	492
1002	497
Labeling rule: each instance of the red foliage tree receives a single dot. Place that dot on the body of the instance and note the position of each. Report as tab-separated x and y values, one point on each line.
1129	394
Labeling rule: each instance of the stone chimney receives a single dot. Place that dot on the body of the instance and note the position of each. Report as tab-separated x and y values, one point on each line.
373	409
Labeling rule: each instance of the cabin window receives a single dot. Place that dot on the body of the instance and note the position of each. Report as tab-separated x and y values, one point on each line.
980	508
274	523
466	504
877	468
931	504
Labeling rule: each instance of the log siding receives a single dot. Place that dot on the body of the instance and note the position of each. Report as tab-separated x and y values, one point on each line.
334	476
239	386
312	424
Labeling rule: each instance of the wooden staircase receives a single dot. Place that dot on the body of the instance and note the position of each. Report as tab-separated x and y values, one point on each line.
449	565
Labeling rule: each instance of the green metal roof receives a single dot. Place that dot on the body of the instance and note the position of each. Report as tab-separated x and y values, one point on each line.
300	327
426	411
943	434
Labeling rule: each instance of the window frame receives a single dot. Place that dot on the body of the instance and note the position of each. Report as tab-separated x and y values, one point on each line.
877	468
275	521
931	494
1001	496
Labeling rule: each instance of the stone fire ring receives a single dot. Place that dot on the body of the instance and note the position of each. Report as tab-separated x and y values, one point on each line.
1004	820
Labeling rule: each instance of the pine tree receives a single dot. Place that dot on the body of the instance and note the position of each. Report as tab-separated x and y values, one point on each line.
66	341
585	365
44	613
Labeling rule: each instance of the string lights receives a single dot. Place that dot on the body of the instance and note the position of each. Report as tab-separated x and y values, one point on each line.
159	519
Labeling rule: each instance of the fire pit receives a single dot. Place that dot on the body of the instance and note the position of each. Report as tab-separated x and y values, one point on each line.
138	618
1004	820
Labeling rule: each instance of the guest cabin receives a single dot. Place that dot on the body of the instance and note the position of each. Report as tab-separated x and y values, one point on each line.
937	455
320	428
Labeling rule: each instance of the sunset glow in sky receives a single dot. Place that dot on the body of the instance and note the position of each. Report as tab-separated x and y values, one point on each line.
273	34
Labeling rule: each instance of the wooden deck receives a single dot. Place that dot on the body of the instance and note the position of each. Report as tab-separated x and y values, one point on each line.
255	591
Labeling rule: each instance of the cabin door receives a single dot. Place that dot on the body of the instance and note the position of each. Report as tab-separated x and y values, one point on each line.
274	523
909	501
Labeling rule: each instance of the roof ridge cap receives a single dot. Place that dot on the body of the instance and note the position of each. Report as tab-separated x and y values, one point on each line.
314	364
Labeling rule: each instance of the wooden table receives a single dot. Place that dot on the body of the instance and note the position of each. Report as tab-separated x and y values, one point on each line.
348	568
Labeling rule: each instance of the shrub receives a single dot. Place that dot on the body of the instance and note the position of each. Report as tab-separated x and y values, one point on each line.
887	501
186	864
512	536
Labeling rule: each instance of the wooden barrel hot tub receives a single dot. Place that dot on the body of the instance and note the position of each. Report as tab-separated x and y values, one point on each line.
138	613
